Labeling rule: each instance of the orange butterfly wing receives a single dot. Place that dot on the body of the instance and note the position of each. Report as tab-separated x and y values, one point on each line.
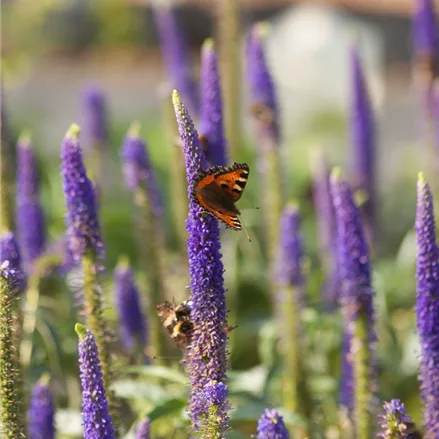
218	188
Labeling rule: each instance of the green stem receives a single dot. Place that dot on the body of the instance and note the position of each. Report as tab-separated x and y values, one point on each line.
296	396
10	377
151	245
360	351
228	37
96	322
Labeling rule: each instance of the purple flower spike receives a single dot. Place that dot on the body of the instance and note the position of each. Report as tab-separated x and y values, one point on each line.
262	92
137	168
211	117
271	426
9	251
177	57
326	223
132	321
427	305
291	256
356	295
142	430
95	117
396	424
95	414
207	356
425	39
82	221
363	139
29	214
41	413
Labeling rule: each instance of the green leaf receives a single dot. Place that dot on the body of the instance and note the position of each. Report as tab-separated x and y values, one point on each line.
131	389
160	372
170	407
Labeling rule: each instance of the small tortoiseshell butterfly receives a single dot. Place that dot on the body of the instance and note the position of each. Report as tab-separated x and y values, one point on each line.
176	319
218	189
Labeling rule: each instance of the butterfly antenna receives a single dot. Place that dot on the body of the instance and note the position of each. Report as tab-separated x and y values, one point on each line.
245	231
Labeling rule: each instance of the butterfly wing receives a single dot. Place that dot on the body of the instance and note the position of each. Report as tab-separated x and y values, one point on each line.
219	188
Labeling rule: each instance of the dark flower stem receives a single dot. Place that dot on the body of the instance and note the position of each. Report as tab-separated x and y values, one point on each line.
10	378
228	44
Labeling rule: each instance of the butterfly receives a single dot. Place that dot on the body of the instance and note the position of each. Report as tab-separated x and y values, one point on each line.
218	189
176	319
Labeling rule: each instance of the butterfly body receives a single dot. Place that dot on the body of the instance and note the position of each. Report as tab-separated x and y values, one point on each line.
218	189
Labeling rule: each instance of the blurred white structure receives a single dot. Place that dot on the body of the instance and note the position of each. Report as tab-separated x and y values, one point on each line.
308	52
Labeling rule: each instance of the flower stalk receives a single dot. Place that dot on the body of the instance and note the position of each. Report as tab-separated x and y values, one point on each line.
140	179
357	304
271	426
41	413
29	212
96	135
95	406
11	402
427	304
264	109
291	299
396	423
85	244
211	115
206	358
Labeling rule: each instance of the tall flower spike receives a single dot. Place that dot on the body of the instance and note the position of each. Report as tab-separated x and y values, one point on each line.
176	56
265	111
357	301
29	213
140	179
425	41
291	299
142	429
363	140
137	168
9	251
262	93
10	381
396	424
207	356
41	413
95	119
95	413
211	116
427	305
271	426
83	229
325	217
132	321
